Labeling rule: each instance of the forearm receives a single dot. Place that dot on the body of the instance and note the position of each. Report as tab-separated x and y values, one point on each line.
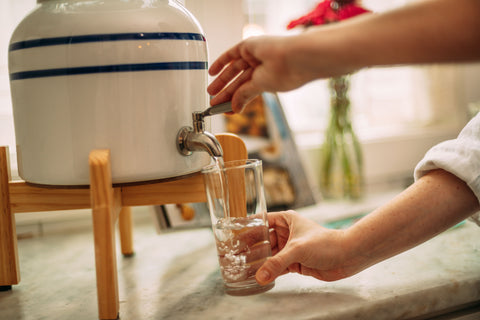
426	32
434	203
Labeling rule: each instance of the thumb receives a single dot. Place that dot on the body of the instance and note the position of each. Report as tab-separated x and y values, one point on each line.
274	267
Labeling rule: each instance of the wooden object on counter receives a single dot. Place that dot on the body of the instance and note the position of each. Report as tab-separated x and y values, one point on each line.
106	206
237	198
108	203
9	269
236	179
233	147
125	230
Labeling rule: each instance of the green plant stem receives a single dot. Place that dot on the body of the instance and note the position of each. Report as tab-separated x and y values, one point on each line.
341	152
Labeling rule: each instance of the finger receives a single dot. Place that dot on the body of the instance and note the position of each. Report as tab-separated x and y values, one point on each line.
248	238
230	91
253	254
279	232
279	219
247	54
274	267
232	71
224	59
273	237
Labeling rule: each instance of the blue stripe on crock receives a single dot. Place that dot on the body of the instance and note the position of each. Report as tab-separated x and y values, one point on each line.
44	42
182	65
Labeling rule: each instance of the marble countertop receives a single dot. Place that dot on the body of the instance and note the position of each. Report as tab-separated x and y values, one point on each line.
438	275
175	275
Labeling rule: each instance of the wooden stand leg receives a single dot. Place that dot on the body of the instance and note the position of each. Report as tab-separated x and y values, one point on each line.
9	268
125	227
105	203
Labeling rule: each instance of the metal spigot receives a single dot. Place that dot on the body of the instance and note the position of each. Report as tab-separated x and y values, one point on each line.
197	139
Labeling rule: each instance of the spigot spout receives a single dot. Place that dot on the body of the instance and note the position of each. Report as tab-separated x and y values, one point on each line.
189	141
197	139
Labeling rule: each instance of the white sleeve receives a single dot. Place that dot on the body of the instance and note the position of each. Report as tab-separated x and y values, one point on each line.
460	157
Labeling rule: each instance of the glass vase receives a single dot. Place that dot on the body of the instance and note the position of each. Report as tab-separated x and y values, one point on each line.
341	154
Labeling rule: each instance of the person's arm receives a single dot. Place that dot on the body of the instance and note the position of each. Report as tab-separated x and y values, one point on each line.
431	31
434	203
426	32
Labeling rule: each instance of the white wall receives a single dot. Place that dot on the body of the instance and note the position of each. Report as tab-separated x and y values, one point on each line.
221	20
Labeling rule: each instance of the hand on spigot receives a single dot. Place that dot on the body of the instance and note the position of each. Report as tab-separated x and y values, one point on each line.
254	66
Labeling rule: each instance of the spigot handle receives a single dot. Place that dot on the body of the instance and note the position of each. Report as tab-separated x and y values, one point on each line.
218	109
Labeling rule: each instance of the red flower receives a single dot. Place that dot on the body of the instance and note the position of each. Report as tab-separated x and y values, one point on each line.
328	11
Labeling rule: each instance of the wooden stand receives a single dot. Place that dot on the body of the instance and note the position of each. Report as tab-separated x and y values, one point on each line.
108	204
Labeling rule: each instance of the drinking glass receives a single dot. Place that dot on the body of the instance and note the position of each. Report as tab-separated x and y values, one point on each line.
236	202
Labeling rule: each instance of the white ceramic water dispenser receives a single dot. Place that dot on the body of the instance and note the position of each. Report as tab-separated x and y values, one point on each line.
119	74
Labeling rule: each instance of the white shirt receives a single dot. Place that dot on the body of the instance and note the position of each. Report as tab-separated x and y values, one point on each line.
460	156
